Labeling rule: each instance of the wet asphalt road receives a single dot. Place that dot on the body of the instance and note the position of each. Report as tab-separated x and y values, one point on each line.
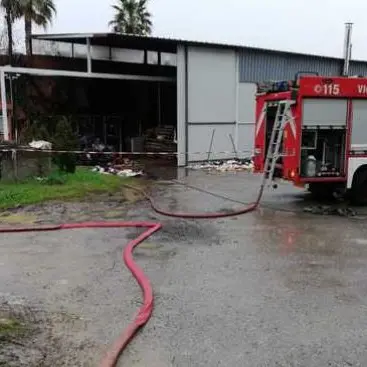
271	288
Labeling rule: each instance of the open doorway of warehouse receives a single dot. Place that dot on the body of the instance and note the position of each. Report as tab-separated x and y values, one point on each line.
131	116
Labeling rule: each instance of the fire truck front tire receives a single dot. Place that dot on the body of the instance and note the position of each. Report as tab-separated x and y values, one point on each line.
358	192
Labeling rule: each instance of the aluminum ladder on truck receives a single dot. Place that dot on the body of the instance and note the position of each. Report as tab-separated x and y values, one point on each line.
282	117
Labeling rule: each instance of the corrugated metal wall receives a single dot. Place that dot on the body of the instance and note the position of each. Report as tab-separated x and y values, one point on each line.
256	66
211	85
211	103
358	68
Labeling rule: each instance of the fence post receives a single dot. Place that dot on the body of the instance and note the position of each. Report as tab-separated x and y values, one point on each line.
233	146
211	145
15	163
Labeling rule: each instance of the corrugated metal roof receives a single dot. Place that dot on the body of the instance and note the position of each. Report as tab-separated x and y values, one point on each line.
162	42
258	66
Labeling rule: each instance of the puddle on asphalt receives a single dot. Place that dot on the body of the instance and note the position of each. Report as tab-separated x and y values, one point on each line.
314	253
184	232
155	251
284	235
361	241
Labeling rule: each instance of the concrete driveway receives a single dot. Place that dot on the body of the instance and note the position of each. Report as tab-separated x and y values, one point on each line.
276	287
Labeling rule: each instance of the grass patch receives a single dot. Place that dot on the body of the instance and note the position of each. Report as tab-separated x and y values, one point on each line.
58	186
17	218
10	327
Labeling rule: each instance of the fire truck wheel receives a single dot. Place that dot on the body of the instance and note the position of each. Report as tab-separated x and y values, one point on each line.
358	193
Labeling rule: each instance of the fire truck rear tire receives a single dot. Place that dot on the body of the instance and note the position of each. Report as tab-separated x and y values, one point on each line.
358	193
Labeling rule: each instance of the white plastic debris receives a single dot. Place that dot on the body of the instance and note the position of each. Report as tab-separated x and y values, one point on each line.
225	166
129	173
113	171
40	144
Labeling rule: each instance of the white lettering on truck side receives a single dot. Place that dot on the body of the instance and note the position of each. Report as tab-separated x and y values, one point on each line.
327	89
362	88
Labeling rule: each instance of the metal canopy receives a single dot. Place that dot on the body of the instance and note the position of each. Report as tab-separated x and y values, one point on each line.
114	40
118	40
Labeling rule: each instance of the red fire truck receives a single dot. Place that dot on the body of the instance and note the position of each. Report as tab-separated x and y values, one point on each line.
322	123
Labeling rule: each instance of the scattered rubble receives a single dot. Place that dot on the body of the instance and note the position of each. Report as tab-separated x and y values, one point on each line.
120	166
330	210
225	166
161	139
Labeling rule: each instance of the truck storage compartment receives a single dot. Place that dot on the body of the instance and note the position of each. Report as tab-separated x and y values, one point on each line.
323	152
324	112
324	123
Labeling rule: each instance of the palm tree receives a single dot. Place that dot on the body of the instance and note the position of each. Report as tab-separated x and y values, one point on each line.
39	12
12	10
131	17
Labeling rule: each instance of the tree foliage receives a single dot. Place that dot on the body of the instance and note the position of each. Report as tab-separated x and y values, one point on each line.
39	12
12	12
132	17
35	131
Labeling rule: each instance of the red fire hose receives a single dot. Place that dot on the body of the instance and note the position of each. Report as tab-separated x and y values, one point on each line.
243	210
145	311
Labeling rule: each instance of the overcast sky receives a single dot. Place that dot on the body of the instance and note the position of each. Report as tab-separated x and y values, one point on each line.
313	26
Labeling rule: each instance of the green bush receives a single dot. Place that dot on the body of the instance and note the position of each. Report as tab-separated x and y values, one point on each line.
60	135
65	139
55	178
37	130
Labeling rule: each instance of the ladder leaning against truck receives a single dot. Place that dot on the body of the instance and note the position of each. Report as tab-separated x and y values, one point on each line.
312	131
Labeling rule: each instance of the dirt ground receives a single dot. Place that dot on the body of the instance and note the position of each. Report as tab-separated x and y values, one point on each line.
43	336
277	287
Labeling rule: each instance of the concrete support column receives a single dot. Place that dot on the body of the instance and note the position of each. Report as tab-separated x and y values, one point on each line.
181	107
4	106
89	56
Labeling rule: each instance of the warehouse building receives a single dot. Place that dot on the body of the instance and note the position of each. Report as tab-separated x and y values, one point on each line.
201	95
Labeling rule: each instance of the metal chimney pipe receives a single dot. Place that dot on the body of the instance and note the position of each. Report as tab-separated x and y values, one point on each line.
347	48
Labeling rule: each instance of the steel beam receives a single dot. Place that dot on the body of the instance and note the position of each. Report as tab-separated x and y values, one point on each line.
80	74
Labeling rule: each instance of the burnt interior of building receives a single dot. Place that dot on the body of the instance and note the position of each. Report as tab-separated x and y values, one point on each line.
115	115
121	114
132	115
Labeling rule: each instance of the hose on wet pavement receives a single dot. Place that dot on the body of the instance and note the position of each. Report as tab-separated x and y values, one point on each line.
145	311
328	208
247	208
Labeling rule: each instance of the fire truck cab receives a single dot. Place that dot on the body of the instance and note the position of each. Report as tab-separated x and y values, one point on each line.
324	137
